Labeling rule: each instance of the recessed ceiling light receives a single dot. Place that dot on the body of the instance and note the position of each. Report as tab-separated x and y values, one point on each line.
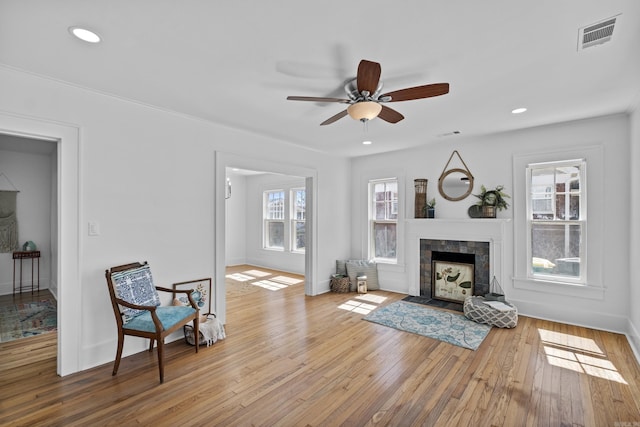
85	35
519	110
366	142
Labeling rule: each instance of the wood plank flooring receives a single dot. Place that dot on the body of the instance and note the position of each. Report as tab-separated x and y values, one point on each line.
292	360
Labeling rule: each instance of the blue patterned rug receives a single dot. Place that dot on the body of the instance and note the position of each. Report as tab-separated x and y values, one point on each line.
27	319
441	325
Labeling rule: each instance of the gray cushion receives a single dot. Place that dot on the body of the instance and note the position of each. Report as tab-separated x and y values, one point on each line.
363	268
341	266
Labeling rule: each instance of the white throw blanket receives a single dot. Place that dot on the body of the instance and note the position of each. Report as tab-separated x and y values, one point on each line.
211	329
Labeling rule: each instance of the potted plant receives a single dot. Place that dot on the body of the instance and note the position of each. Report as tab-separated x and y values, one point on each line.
430	209
492	200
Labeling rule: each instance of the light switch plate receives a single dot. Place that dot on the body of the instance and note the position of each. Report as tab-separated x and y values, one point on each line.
94	228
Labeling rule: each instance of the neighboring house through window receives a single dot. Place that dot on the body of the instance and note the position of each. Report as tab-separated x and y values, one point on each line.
557	221
274	219
298	217
383	219
280	210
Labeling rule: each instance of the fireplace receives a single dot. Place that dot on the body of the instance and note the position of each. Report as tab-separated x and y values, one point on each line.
467	257
482	239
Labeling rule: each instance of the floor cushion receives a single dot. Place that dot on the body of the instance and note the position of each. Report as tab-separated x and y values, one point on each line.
476	309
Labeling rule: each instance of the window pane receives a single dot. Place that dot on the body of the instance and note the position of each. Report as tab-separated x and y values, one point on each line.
275	205
275	237
385	240
380	211
299	204
300	236
556	249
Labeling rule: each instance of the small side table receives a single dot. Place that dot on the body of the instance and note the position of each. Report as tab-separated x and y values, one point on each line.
21	256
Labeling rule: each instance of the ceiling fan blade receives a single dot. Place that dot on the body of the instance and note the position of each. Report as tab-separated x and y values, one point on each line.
368	76
332	119
316	99
390	115
418	92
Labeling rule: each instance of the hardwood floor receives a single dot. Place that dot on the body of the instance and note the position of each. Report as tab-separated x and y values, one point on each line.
292	360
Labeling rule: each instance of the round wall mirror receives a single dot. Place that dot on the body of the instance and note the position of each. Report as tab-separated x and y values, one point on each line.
455	184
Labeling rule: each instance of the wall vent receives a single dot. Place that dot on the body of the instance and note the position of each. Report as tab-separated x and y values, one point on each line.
596	34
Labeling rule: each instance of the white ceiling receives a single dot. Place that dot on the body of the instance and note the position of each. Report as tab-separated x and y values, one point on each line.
234	63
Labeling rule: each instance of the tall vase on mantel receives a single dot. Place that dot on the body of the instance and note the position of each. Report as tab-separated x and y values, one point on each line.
420	210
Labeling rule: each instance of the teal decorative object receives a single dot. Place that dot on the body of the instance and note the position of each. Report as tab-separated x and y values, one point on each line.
29	246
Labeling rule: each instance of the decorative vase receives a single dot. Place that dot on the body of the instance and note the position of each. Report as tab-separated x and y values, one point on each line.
421	197
431	213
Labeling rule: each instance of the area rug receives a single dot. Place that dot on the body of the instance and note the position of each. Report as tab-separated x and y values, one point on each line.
27	319
438	324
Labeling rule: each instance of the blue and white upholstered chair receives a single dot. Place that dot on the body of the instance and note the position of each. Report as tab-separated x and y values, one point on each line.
136	305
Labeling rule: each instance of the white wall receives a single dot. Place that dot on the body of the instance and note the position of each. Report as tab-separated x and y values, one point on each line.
490	160
236	218
31	175
633	331
147	178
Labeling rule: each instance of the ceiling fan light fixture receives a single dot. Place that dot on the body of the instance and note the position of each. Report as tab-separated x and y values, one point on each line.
364	111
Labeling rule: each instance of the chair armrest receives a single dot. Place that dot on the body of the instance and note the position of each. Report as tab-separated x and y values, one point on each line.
188	292
151	308
182	291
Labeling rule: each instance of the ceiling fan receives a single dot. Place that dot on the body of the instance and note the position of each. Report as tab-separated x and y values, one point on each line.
365	96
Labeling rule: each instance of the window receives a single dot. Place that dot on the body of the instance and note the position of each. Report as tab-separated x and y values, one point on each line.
298	219
384	219
274	219
284	219
557	221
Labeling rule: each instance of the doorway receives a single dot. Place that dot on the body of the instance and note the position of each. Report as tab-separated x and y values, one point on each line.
65	226
222	162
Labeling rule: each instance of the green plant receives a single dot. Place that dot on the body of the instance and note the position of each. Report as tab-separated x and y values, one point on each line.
496	197
431	204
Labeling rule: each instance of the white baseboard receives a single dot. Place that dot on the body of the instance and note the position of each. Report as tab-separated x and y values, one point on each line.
633	336
573	316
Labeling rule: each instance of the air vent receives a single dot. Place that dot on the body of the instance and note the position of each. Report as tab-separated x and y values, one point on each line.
596	34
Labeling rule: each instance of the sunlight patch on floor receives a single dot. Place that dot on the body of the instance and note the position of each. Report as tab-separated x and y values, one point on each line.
357	307
239	277
377	299
568	352
287	280
256	273
269	284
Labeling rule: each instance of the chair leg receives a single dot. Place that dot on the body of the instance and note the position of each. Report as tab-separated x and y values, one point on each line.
161	359
196	331
116	364
151	341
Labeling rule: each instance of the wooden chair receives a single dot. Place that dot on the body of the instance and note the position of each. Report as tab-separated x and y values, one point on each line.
136	305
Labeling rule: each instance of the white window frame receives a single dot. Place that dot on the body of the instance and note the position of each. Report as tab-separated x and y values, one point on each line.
267	220
594	289
295	220
580	222
372	221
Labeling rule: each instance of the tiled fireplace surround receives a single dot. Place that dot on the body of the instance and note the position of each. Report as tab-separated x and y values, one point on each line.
480	251
482	237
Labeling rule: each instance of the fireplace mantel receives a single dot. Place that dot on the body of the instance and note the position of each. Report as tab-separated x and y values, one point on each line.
488	230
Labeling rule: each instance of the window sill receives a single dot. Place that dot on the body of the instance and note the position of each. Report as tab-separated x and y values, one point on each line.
559	288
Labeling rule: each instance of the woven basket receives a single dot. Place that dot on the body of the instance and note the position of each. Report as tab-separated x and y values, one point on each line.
339	283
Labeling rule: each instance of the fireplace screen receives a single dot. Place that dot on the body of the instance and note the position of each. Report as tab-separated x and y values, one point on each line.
452	281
